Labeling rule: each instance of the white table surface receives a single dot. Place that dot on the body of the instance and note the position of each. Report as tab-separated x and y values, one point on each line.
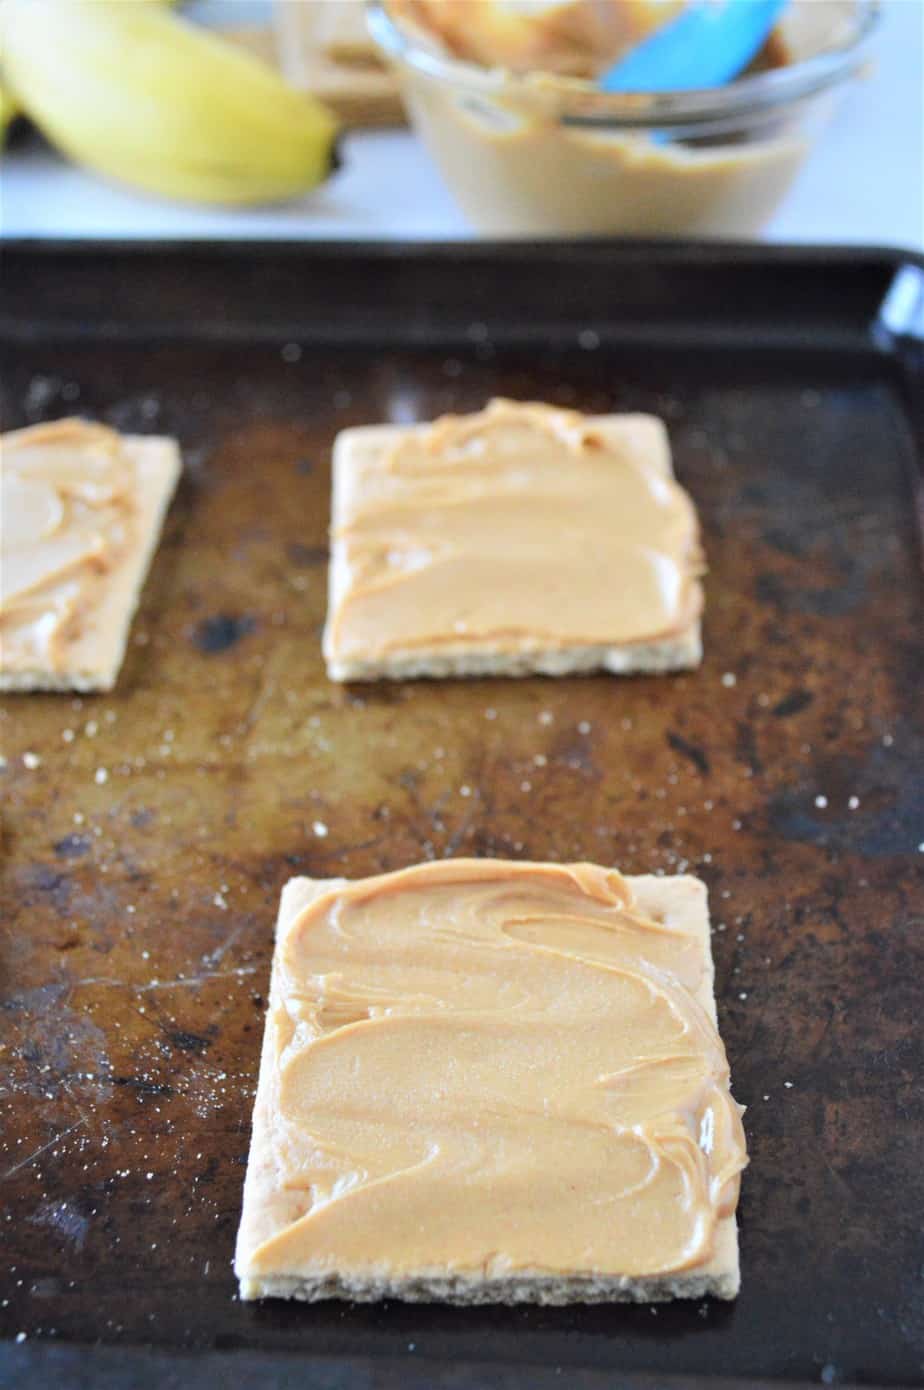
864	182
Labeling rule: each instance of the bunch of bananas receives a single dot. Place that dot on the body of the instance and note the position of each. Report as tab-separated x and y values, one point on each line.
136	93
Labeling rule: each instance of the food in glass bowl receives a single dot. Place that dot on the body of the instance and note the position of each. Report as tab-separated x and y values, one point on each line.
530	145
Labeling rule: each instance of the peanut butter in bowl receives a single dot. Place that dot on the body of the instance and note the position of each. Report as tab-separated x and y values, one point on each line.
506	99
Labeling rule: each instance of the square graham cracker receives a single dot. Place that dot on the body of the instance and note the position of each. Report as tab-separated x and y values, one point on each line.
94	652
395	538
438	1171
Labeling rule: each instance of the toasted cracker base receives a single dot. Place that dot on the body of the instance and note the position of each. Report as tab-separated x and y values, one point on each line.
680	902
680	653
95	659
527	1287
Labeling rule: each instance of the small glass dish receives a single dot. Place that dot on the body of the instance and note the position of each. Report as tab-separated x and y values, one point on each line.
537	155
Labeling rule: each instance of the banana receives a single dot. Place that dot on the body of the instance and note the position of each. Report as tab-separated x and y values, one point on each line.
9	110
143	97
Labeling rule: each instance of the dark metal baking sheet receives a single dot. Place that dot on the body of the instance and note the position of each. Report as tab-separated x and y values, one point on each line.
138	910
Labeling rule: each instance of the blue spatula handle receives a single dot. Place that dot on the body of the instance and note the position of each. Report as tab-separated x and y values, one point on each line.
705	46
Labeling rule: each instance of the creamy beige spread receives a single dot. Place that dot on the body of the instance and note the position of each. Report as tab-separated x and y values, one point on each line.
484	1066
69	517
577	38
520	527
520	158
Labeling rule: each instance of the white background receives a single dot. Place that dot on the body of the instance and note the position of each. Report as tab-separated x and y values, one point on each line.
864	183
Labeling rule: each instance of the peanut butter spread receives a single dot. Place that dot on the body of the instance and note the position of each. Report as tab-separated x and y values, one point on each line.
576	38
69	504
530	146
522	527
488	1067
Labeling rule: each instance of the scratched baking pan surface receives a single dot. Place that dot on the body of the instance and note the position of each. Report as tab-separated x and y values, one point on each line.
148	832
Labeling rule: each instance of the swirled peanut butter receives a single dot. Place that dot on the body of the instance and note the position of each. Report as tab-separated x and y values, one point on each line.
68	507
576	38
80	510
483	1068
523	527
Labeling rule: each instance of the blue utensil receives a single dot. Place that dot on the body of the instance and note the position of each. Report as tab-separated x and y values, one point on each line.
708	44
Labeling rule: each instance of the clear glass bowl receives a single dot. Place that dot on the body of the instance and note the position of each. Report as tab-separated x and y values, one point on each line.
536	155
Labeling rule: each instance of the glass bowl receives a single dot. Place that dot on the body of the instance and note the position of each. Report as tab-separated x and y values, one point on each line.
537	155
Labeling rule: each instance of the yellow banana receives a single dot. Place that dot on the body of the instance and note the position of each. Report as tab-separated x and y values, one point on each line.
141	96
9	110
